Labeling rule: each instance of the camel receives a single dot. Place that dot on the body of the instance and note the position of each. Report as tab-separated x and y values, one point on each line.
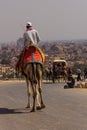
32	69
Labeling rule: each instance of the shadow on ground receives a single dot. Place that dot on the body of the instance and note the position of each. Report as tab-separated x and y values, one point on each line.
13	111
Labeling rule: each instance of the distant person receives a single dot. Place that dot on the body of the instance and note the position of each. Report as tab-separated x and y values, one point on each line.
69	71
70	83
79	77
50	66
85	73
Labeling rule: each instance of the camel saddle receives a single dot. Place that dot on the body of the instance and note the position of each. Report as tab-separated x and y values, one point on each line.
31	54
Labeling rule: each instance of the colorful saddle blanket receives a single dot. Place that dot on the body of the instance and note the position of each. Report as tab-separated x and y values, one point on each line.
33	54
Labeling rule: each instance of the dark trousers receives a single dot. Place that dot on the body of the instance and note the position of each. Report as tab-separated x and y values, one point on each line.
70	85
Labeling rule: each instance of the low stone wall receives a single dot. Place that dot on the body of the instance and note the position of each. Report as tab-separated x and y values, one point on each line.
81	85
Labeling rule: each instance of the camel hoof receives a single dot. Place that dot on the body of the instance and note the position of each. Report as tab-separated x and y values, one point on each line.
39	108
32	110
43	106
27	107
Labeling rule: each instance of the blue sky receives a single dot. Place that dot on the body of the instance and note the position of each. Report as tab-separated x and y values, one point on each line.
54	19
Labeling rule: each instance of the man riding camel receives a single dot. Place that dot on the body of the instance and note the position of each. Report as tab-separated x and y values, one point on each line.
30	37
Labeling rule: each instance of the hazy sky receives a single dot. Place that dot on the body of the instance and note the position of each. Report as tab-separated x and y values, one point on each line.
54	19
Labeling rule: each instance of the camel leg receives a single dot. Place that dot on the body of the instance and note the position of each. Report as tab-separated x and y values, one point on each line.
34	98
40	91
37	100
28	93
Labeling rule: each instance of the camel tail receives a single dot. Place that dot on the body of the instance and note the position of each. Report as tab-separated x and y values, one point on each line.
34	73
